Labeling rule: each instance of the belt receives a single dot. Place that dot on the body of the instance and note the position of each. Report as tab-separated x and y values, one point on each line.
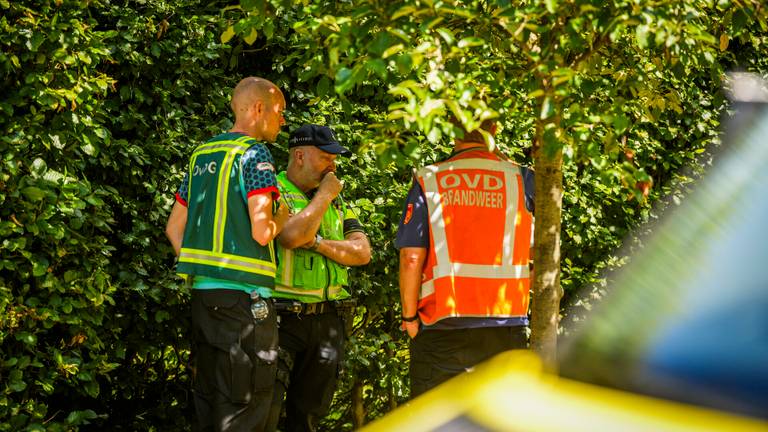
299	308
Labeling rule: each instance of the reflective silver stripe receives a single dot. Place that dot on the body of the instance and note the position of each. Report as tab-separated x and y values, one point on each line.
190	177
300	291
487	271
214	147
219	145
477	271
197	257
436	221
221	196
332	290
295	196
286	275
291	199
272	252
427	289
510	177
444	267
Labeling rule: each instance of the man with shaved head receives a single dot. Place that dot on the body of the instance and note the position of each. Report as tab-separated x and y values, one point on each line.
222	228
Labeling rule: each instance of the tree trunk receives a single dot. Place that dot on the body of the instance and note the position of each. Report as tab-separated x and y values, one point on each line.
545	302
358	408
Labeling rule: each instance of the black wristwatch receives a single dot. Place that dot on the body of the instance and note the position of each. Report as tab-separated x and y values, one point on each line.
411	318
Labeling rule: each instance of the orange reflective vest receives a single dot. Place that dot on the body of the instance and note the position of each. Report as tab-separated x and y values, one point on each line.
479	239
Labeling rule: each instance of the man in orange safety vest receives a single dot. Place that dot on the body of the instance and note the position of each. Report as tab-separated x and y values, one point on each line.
464	241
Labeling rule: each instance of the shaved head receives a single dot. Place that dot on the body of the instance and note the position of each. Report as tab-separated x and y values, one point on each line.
258	106
253	89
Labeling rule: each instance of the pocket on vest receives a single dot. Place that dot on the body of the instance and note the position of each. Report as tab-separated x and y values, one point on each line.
338	274
304	269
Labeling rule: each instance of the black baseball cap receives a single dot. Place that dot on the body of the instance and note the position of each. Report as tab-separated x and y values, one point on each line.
321	137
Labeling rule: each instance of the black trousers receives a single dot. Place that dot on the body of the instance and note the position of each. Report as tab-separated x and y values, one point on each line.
438	355
311	353
235	361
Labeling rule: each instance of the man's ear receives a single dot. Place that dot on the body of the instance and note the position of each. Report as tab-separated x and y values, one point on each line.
258	108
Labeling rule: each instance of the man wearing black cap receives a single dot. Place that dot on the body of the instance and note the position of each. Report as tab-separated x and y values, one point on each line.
321	238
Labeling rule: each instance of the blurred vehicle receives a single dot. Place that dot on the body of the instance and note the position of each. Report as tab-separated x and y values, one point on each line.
681	341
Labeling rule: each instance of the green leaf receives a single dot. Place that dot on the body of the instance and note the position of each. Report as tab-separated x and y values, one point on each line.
39	167
403	11
394	49
471	42
620	123
81	417
446	34
40	267
89	149
344	80
47	386
404	63
92	388
377	66
17	386
740	19
27	338
551	6
33	193
641	33
94	200
251	38
323	86
228	34
161	316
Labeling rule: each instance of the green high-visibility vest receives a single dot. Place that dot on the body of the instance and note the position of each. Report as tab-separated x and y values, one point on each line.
217	238
305	275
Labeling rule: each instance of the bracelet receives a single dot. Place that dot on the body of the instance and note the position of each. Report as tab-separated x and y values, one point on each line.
411	318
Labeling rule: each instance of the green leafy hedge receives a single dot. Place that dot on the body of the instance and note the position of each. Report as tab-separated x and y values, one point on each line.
102	102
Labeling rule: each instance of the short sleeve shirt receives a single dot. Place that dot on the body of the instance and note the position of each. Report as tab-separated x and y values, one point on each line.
258	171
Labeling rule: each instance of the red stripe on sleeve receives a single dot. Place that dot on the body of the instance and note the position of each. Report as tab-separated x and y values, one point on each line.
181	200
273	189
